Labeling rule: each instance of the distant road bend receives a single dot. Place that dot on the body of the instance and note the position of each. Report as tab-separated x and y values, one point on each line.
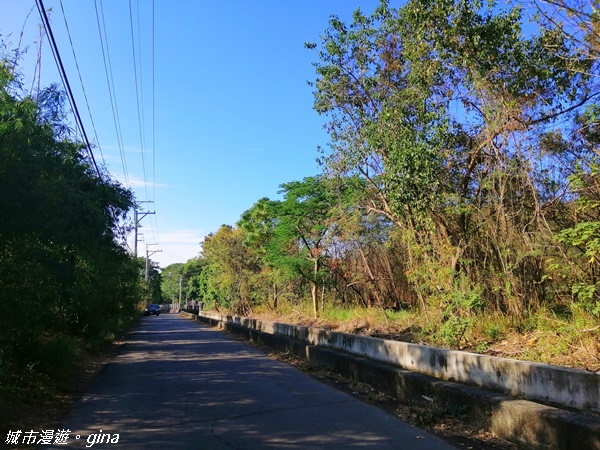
178	384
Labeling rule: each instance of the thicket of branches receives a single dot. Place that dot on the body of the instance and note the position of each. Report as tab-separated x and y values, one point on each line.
66	284
462	176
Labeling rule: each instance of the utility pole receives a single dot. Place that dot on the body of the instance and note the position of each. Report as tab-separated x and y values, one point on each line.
180	280
148	254
138	216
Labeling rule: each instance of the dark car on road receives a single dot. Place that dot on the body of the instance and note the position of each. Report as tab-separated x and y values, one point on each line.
152	309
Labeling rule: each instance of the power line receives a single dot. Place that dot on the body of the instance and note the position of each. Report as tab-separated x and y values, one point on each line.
137	96
141	65
153	105
111	89
81	80
71	97
137	65
63	75
38	64
154	116
111	86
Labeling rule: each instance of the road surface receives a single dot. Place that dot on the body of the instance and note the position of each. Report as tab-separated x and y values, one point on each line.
179	384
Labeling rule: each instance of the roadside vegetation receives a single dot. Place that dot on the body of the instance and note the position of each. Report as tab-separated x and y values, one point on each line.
67	285
459	203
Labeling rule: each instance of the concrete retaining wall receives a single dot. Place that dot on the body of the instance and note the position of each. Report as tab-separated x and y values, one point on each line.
551	385
520	421
530	424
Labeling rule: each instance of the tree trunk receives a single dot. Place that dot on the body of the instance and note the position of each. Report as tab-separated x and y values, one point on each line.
313	288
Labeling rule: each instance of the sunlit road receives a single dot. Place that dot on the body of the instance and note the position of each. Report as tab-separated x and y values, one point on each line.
177	384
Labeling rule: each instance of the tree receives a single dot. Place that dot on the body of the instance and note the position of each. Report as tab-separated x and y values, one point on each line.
576	267
171	277
583	234
62	270
439	106
191	272
304	230
259	223
230	275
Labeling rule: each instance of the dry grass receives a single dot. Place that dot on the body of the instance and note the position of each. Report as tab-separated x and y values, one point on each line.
571	342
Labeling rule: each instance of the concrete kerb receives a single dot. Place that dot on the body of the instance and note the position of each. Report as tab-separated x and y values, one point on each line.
528	423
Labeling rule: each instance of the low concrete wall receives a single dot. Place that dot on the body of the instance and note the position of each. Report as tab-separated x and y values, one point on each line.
527	423
551	385
520	421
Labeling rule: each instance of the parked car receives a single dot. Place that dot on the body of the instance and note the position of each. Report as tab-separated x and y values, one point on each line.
152	309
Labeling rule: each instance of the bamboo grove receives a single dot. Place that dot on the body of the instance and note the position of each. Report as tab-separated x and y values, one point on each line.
461	178
66	283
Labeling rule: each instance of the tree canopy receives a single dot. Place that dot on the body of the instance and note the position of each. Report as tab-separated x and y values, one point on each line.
461	177
66	281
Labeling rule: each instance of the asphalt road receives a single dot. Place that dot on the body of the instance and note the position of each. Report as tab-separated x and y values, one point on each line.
178	384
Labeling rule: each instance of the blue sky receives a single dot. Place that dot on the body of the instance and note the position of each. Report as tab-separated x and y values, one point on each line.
232	114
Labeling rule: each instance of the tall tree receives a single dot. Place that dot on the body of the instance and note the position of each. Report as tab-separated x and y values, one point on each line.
171	277
230	269
62	269
304	230
439	105
259	223
191	273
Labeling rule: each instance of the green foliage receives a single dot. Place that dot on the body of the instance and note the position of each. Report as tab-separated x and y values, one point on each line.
493	332
229	276
461	177
587	295
453	330
444	108
300	235
213	294
65	282
170	277
470	302
259	223
337	314
482	347
305	228
190	278
584	234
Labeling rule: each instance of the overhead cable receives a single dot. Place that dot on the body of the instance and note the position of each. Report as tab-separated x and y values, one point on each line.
111	87
137	95
63	75
81	80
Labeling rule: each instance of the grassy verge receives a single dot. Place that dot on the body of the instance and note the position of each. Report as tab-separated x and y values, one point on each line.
571	340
